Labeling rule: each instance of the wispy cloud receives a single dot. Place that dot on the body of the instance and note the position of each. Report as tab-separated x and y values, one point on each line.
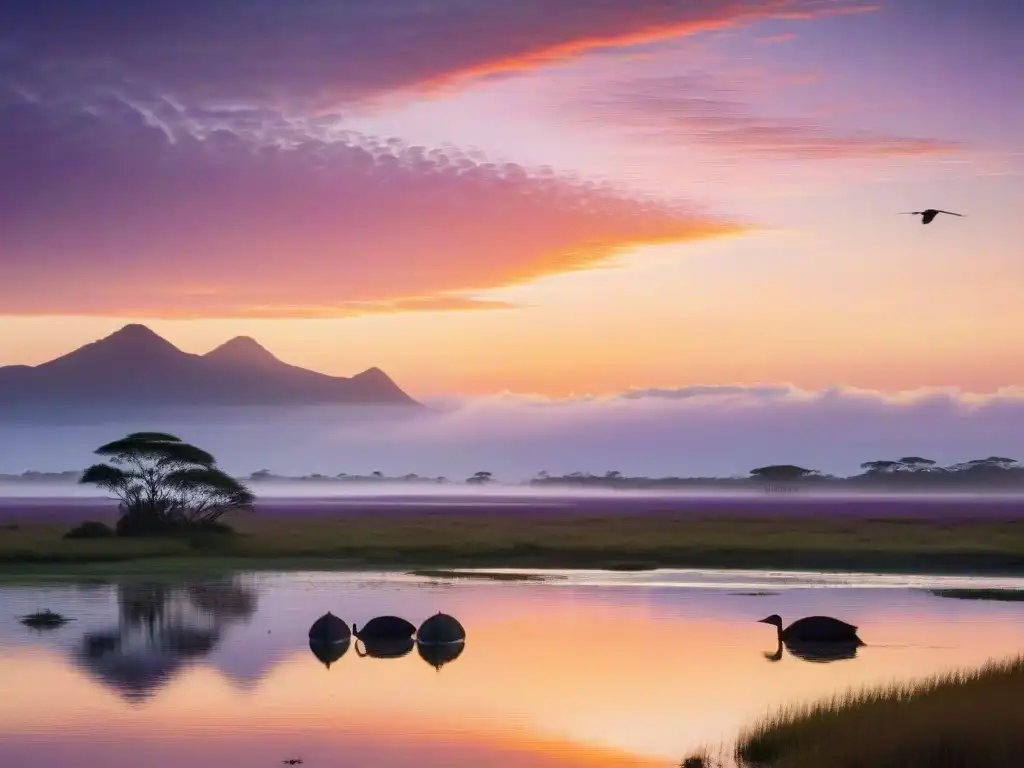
687	109
143	210
784	37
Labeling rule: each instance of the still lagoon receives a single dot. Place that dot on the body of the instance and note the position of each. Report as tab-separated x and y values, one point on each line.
578	669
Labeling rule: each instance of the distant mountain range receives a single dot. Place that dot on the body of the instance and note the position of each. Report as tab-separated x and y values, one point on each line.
136	367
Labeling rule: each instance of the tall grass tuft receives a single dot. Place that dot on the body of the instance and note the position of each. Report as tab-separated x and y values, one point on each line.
960	720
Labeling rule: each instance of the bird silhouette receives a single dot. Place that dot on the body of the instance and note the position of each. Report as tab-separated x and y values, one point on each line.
929	214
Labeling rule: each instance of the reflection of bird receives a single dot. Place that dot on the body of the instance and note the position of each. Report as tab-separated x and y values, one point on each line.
292	761
439	655
821	653
814	629
929	214
328	653
440	640
384	647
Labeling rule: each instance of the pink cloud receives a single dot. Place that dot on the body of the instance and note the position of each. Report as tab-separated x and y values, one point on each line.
784	37
686	109
128	211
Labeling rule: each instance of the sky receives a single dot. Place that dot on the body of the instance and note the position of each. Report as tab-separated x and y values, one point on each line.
515	196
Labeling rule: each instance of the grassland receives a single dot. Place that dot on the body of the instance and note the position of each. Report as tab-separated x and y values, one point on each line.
441	539
958	721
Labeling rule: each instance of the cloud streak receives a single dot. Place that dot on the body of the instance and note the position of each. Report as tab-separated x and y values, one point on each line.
686	109
328	53
149	209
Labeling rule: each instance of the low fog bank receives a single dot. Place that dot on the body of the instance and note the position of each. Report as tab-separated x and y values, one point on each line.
699	431
511	494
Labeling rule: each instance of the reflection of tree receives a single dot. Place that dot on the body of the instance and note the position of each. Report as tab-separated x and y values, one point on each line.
162	627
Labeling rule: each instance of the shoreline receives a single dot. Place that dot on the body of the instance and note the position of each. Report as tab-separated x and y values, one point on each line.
984	539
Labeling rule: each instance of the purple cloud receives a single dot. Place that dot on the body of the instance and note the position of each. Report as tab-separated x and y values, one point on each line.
303	52
148	209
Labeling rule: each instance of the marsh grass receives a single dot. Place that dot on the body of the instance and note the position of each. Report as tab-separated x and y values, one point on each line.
960	720
1001	595
455	539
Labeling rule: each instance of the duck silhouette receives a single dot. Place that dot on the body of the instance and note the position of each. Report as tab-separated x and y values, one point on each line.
814	629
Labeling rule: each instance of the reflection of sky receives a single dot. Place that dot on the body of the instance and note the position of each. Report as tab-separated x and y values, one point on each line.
551	675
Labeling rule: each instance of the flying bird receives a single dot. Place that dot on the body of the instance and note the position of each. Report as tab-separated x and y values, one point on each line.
928	215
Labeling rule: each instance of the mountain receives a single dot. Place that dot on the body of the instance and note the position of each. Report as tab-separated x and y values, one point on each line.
135	366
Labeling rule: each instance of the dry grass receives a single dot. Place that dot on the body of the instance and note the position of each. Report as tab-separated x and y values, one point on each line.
452	539
965	720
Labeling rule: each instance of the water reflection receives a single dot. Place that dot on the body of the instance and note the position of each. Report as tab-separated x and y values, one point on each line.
161	627
384	647
820	653
328	652
552	680
439	655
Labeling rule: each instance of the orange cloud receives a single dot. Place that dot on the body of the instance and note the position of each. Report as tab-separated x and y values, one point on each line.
639	28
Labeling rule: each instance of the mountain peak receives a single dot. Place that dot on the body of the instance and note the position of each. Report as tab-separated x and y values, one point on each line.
241	349
133	342
135	334
134	367
373	373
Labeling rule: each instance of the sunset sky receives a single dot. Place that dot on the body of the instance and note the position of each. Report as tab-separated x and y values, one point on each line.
560	198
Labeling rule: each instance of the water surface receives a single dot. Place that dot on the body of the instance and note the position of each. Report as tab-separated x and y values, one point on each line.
586	669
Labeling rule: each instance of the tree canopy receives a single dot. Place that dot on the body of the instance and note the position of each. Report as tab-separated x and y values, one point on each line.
781	473
164	484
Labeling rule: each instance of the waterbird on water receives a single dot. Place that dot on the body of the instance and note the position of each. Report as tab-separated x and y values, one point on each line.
385	628
814	629
929	214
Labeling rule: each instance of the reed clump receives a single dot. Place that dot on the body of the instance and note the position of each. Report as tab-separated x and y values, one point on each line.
959	720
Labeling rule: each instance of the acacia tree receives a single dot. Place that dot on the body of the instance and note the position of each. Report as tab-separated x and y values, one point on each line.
781	477
163	483
904	465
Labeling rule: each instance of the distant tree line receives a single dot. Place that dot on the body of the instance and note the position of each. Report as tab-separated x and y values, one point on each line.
908	472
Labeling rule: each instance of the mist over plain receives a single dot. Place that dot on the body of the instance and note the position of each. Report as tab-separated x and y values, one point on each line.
697	431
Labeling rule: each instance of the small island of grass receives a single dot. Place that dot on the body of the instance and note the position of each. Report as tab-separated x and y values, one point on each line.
45	620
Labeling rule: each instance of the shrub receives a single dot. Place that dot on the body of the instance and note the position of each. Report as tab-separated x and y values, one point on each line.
90	529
